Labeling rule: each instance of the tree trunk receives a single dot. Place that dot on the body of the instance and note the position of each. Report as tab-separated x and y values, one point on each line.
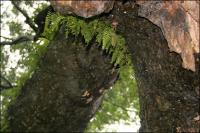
66	90
168	93
64	93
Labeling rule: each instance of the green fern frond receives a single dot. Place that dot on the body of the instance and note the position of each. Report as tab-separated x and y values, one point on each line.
52	24
87	33
105	35
114	56
120	58
99	38
73	25
106	40
114	39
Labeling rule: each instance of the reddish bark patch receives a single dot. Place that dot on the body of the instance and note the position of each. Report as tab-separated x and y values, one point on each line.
83	8
179	22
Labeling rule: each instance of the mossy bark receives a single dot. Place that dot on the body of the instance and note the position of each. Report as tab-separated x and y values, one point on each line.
66	90
168	93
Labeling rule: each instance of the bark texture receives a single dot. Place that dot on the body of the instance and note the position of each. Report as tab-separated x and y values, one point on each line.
83	8
179	22
63	94
169	94
65	91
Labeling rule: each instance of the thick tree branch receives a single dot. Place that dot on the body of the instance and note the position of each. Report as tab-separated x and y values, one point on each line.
28	19
17	40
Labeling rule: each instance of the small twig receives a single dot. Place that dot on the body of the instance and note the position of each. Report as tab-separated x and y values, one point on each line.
2	87
28	19
6	38
8	86
17	40
6	80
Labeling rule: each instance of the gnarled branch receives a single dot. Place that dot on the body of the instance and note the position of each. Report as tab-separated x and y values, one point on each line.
28	19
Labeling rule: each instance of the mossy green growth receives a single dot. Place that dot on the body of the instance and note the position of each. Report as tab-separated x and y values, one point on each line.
9	96
102	32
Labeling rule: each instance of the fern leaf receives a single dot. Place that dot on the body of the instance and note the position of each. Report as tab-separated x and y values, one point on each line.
87	33
106	41
114	56
119	58
114	39
99	38
105	35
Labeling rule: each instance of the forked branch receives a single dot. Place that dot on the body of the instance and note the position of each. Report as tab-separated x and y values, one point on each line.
23	12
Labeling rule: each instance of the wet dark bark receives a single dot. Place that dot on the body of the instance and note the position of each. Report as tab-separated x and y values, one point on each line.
169	94
66	90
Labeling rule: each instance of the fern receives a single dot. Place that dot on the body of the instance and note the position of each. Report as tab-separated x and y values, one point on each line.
114	39
52	24
99	38
114	56
105	35
87	33
73	25
106	40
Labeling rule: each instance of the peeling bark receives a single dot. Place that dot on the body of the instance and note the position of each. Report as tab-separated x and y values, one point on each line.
83	8
179	22
63	94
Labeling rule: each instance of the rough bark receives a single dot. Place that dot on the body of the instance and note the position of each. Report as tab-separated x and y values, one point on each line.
65	91
168	93
83	8
51	99
179	22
